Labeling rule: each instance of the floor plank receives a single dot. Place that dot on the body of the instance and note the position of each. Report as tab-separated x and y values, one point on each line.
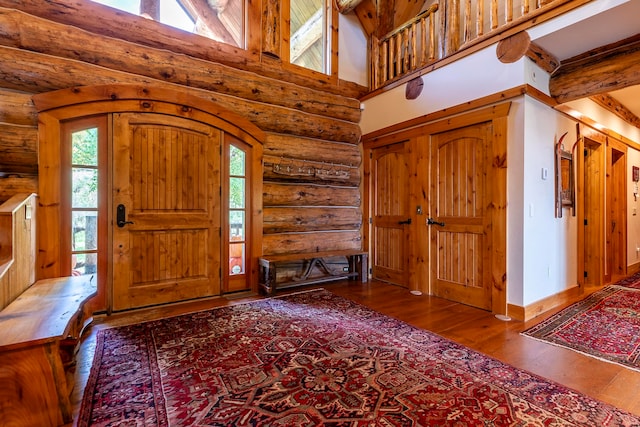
474	328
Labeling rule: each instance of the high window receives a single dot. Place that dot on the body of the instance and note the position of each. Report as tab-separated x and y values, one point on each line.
219	20
309	35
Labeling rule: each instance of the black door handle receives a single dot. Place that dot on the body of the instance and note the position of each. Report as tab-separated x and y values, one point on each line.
121	216
405	222
431	221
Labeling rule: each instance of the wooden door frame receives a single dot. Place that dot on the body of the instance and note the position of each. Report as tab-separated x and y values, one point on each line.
74	103
597	204
616	209
419	193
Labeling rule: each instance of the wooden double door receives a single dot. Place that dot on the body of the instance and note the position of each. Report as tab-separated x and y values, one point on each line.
432	200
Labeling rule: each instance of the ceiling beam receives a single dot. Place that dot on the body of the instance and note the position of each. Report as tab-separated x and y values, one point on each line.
598	71
518	45
610	103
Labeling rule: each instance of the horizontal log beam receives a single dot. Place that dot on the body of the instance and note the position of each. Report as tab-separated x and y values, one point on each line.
17	108
37	73
19	149
274	244
17	183
27	32
284	169
276	194
279	145
610	103
513	48
346	6
601	70
102	20
292	219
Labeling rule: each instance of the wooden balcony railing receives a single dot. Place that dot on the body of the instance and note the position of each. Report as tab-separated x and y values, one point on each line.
446	28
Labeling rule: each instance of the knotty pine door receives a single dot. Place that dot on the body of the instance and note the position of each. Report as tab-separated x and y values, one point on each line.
460	251
391	213
166	178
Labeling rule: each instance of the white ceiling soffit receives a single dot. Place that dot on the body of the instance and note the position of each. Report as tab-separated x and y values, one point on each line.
597	23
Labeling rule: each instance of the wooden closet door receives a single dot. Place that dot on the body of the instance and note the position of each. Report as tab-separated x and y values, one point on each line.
461	248
166	177
391	218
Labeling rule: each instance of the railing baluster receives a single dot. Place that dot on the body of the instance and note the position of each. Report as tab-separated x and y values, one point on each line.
398	54
494	14
467	22
454	27
385	62
432	36
414	47
525	7
424	43
508	13
480	17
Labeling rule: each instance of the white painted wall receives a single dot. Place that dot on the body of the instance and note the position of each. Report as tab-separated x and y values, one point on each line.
633	211
549	250
352	47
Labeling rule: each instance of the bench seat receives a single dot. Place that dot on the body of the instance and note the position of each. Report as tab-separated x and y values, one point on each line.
39	331
357	269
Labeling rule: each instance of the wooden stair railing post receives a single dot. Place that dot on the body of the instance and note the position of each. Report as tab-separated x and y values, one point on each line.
467	22
452	30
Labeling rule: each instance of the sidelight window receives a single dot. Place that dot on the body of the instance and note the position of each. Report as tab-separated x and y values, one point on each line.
84	201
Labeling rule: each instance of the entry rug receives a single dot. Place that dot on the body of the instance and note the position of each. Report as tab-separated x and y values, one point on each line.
315	359
632	281
605	325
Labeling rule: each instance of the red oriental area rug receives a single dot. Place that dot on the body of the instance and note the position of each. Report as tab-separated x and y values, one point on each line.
605	325
315	359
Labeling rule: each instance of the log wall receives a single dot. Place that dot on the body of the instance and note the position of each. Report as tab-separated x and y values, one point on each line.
312	153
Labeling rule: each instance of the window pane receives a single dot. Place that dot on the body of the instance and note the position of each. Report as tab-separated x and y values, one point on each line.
236	258
236	161
307	34
236	193
84	188
84	229
236	225
84	147
219	20
84	264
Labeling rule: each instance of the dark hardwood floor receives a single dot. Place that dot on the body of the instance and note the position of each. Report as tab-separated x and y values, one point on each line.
474	328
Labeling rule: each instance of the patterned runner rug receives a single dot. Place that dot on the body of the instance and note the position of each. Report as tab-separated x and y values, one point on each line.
315	359
605	325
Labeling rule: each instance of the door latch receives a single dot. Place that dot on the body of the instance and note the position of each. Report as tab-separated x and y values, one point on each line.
408	221
121	216
431	221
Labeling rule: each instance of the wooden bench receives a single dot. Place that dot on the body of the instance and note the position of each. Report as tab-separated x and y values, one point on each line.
39	331
357	268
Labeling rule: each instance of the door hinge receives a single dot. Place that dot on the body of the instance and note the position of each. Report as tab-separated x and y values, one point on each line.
585	222
585	274
370	154
370	220
220	272
586	153
370	270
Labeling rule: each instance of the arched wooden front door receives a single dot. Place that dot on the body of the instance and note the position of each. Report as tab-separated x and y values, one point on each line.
163	216
166	193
